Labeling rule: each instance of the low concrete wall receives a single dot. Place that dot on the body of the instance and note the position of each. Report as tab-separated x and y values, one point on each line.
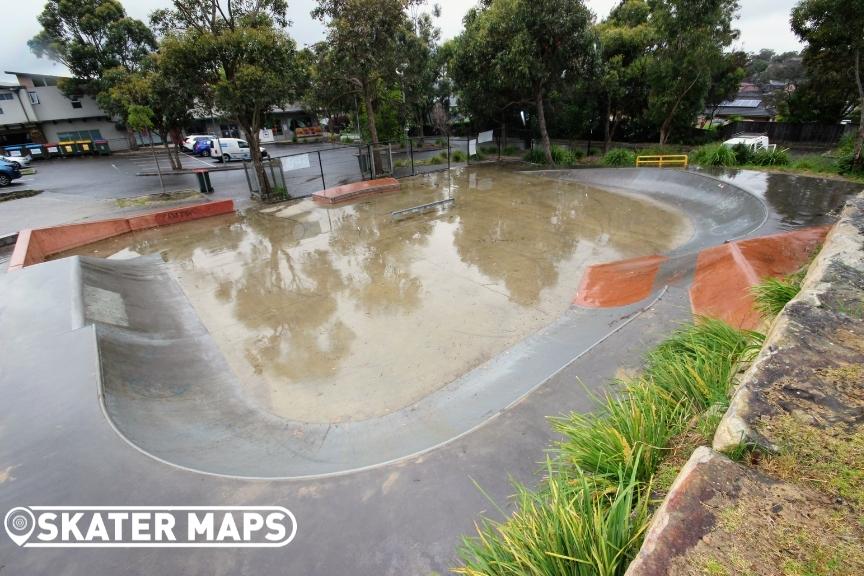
34	246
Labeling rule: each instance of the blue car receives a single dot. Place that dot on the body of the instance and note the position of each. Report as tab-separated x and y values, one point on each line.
8	173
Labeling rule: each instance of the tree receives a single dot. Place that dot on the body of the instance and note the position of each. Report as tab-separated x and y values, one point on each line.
363	36
244	58
420	70
725	81
691	37
834	33
91	37
626	38
532	46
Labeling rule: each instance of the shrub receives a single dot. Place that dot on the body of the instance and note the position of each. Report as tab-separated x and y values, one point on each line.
560	156
620	157
776	157
772	294
743	153
589	516
458	156
714	155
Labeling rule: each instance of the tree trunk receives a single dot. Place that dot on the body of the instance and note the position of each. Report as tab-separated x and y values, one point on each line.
370	113
133	140
541	121
607	132
857	158
664	130
176	137
265	189
164	137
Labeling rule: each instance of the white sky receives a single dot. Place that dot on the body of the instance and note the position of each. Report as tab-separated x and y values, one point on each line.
763	24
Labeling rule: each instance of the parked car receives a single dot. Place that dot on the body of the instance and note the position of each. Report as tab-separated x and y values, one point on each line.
202	147
188	145
19	161
228	149
8	173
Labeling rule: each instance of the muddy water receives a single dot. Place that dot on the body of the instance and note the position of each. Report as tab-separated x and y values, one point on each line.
334	314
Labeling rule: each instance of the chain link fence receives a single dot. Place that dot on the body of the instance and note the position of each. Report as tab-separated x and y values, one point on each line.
301	174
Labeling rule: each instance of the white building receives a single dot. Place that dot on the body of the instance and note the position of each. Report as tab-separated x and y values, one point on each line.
36	110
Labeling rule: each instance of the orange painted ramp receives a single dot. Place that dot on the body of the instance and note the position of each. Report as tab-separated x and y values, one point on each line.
618	283
726	274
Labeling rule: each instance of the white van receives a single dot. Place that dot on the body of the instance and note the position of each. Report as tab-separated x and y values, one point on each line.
755	142
228	149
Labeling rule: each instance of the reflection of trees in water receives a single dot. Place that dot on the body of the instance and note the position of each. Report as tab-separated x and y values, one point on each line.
517	239
805	201
384	253
289	298
520	238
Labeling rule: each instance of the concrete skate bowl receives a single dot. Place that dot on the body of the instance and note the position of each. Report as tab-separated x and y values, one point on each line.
169	387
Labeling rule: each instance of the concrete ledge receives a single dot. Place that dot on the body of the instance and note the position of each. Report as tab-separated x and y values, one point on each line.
34	246
350	192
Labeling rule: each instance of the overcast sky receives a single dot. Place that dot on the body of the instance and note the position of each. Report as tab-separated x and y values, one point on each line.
763	24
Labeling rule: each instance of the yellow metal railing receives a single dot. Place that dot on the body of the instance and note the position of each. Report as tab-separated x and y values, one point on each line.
679	160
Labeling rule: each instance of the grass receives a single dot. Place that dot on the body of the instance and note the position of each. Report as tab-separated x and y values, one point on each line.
619	157
560	156
772	294
589	515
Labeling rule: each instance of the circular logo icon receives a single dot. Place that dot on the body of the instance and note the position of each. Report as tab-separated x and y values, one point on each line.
19	523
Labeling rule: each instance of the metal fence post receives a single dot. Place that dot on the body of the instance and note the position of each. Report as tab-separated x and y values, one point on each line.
448	152
499	147
468	150
390	153
321	167
371	162
411	153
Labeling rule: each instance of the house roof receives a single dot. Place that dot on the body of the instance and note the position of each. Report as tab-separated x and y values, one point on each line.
759	112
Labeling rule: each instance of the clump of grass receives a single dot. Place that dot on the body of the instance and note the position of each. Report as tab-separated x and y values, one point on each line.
776	157
772	294
714	155
458	156
560	156
572	527
589	516
620	157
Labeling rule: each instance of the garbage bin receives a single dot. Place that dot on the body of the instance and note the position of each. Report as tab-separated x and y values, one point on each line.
84	146
204	185
69	149
52	150
101	147
36	151
15	151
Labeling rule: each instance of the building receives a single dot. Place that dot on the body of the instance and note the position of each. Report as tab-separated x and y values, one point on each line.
36	110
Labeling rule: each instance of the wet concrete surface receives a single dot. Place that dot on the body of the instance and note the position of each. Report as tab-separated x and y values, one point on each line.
57	448
338	314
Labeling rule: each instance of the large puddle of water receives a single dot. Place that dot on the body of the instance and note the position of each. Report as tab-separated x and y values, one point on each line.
345	313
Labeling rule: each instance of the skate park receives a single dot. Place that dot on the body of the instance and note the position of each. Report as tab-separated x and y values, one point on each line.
137	373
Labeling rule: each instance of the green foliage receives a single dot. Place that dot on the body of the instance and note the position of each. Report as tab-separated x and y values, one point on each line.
458	156
688	59
620	157
772	294
590	514
776	157
714	155
572	527
521	50
560	156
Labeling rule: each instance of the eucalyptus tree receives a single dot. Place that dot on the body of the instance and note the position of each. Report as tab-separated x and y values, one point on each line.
834	33
531	47
92	38
364	38
246	61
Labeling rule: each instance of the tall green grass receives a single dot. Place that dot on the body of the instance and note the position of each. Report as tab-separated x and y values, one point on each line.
619	157
772	294
560	156
572	527
589	516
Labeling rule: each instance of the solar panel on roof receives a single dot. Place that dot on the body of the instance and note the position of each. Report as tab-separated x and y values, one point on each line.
742	103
